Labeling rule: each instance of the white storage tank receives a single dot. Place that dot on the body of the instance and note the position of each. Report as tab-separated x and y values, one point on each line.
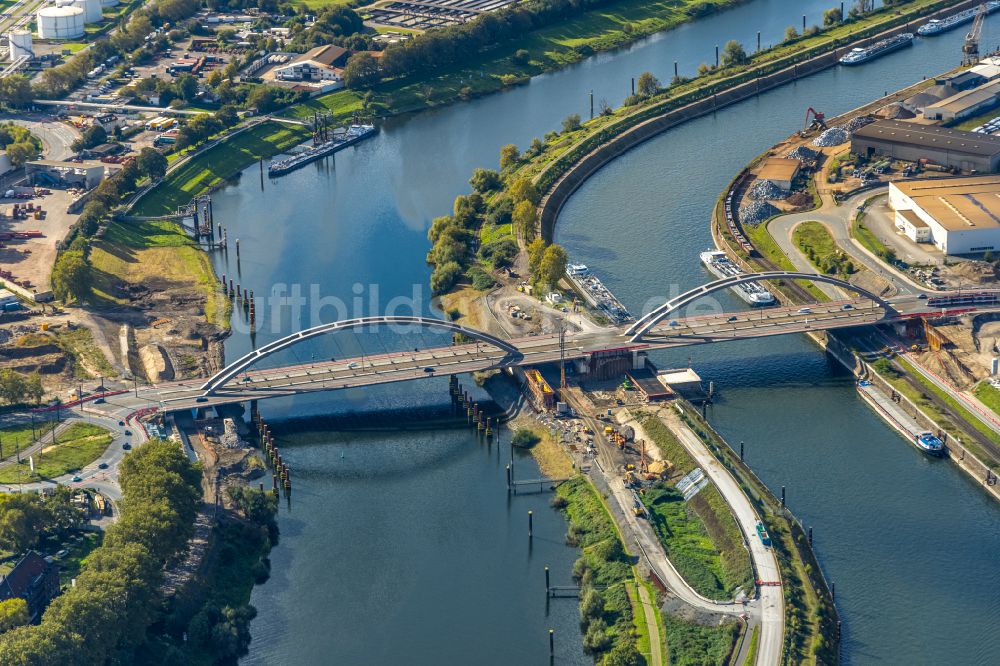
91	10
60	23
20	44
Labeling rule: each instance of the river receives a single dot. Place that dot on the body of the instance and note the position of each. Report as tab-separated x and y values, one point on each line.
404	548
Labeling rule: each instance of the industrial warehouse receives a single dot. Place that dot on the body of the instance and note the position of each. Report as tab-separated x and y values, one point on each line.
957	215
910	142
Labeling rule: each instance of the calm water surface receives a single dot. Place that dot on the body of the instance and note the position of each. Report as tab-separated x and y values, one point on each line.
404	548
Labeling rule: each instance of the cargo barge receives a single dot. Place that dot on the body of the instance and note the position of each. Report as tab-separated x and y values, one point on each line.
597	295
935	26
859	55
719	265
341	139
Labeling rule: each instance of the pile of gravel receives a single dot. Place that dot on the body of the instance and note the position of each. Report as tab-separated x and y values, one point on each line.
755	212
765	189
854	124
803	153
831	137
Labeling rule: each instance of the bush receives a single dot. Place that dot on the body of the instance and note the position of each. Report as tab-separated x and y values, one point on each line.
481	280
525	438
444	277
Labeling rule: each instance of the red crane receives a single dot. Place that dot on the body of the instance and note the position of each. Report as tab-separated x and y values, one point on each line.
818	122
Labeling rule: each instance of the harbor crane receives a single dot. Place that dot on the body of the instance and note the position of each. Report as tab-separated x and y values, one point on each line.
970	49
818	120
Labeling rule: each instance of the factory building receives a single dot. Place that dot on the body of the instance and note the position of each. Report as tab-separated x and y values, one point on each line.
965	104
320	64
910	142
957	215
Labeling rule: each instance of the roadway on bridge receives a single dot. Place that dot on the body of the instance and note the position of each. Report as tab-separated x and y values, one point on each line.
264	383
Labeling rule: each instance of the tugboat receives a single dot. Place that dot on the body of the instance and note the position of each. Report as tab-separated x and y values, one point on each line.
929	444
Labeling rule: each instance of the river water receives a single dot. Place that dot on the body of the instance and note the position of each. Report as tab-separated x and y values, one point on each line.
404	548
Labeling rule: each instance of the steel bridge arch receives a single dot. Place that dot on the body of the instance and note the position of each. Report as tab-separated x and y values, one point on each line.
648	321
228	373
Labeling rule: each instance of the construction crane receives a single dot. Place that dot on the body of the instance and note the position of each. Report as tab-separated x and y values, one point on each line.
818	120
970	49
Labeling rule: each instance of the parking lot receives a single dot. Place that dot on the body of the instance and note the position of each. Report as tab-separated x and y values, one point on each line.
30	260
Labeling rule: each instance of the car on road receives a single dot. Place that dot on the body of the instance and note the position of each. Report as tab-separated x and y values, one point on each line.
733	318
126	446
128	433
847	306
77	479
428	369
121	423
99	401
922	297
102	466
674	322
352	365
201	398
805	310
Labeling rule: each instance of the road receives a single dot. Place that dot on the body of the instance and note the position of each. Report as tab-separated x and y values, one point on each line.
56	137
837	219
770	601
649	612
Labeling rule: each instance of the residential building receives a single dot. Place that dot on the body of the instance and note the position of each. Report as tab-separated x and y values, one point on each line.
34	580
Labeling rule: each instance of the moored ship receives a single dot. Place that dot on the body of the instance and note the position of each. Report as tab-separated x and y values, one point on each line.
860	55
719	265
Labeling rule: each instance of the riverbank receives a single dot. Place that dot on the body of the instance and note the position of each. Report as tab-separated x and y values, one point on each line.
220	163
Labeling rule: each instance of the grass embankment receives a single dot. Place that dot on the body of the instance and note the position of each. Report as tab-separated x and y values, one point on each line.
217	164
153	253
88	360
817	244
988	395
766	245
700	536
751	659
77	446
608	616
920	397
810	617
690	644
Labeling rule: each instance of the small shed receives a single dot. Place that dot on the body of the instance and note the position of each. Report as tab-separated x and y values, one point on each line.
780	170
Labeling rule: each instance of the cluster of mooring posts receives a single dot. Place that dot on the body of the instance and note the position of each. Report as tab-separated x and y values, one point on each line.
241	297
280	476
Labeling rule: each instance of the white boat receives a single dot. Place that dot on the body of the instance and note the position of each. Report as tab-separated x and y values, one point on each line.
719	265
935	26
856	56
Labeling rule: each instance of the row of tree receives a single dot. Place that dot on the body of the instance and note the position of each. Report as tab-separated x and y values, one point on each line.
16	389
104	617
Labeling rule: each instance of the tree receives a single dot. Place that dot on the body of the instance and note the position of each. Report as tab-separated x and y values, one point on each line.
33	389
94	135
262	98
509	156
523	189
187	87
15	91
362	71
591	606
21	152
485	180
17	530
553	265
521	57
733	54
151	163
13	613
444	277
832	17
536	250
791	34
623	654
71	276
524	219
647	85
571	122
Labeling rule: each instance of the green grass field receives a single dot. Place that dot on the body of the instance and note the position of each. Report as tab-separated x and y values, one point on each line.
988	395
817	244
77	446
19	436
695	644
217	164
135	252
